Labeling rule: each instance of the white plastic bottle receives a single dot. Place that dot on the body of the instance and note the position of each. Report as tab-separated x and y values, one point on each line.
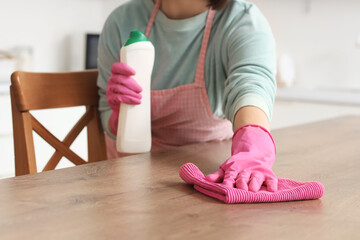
134	129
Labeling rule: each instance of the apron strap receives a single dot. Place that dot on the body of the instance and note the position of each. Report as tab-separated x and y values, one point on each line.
200	70
152	18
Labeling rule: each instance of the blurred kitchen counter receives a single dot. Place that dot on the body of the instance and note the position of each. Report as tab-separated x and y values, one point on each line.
291	113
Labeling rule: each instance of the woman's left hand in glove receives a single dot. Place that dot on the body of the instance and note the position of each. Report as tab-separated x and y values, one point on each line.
250	166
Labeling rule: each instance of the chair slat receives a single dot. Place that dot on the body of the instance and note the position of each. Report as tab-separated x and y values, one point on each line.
69	139
96	138
56	143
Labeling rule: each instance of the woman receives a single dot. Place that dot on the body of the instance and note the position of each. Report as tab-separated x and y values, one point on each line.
213	74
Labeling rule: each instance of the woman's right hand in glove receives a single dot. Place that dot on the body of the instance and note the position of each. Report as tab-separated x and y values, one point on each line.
121	88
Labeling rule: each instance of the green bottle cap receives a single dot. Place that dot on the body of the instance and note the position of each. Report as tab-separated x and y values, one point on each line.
136	36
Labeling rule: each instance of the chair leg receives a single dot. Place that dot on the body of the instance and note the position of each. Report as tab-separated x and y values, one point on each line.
25	161
96	139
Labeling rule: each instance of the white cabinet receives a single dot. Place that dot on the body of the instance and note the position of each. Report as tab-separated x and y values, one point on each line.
6	139
7	167
5	119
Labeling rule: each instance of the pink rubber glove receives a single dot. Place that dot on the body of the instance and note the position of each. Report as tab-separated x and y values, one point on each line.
253	154
121	88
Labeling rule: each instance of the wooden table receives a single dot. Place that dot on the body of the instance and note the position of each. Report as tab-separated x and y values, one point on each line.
142	196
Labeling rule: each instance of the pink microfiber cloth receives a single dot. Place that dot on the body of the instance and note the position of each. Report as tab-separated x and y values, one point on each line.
288	190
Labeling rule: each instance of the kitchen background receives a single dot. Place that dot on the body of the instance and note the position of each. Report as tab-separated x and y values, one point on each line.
318	48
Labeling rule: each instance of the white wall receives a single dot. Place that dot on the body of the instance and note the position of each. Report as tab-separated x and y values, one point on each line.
54	29
321	37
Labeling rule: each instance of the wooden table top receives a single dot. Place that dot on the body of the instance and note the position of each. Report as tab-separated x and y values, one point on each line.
143	197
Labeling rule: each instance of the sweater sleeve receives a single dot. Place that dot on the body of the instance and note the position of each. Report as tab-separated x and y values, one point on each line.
108	51
251	65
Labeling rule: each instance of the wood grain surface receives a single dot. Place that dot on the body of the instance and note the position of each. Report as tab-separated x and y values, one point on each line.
143	197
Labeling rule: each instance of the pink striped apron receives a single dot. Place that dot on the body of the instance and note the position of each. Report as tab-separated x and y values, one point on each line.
182	115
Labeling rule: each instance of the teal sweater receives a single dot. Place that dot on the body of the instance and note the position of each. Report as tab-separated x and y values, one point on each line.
240	61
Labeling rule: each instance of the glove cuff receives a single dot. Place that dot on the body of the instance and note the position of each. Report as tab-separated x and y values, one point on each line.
242	128
113	122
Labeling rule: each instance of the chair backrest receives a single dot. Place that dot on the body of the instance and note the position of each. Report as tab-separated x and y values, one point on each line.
34	91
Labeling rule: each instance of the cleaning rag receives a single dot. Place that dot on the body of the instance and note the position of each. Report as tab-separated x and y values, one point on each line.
288	190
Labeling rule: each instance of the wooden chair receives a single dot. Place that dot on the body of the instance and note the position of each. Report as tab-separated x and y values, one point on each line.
33	91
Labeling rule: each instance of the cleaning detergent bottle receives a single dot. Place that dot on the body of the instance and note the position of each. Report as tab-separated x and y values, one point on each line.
134	129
